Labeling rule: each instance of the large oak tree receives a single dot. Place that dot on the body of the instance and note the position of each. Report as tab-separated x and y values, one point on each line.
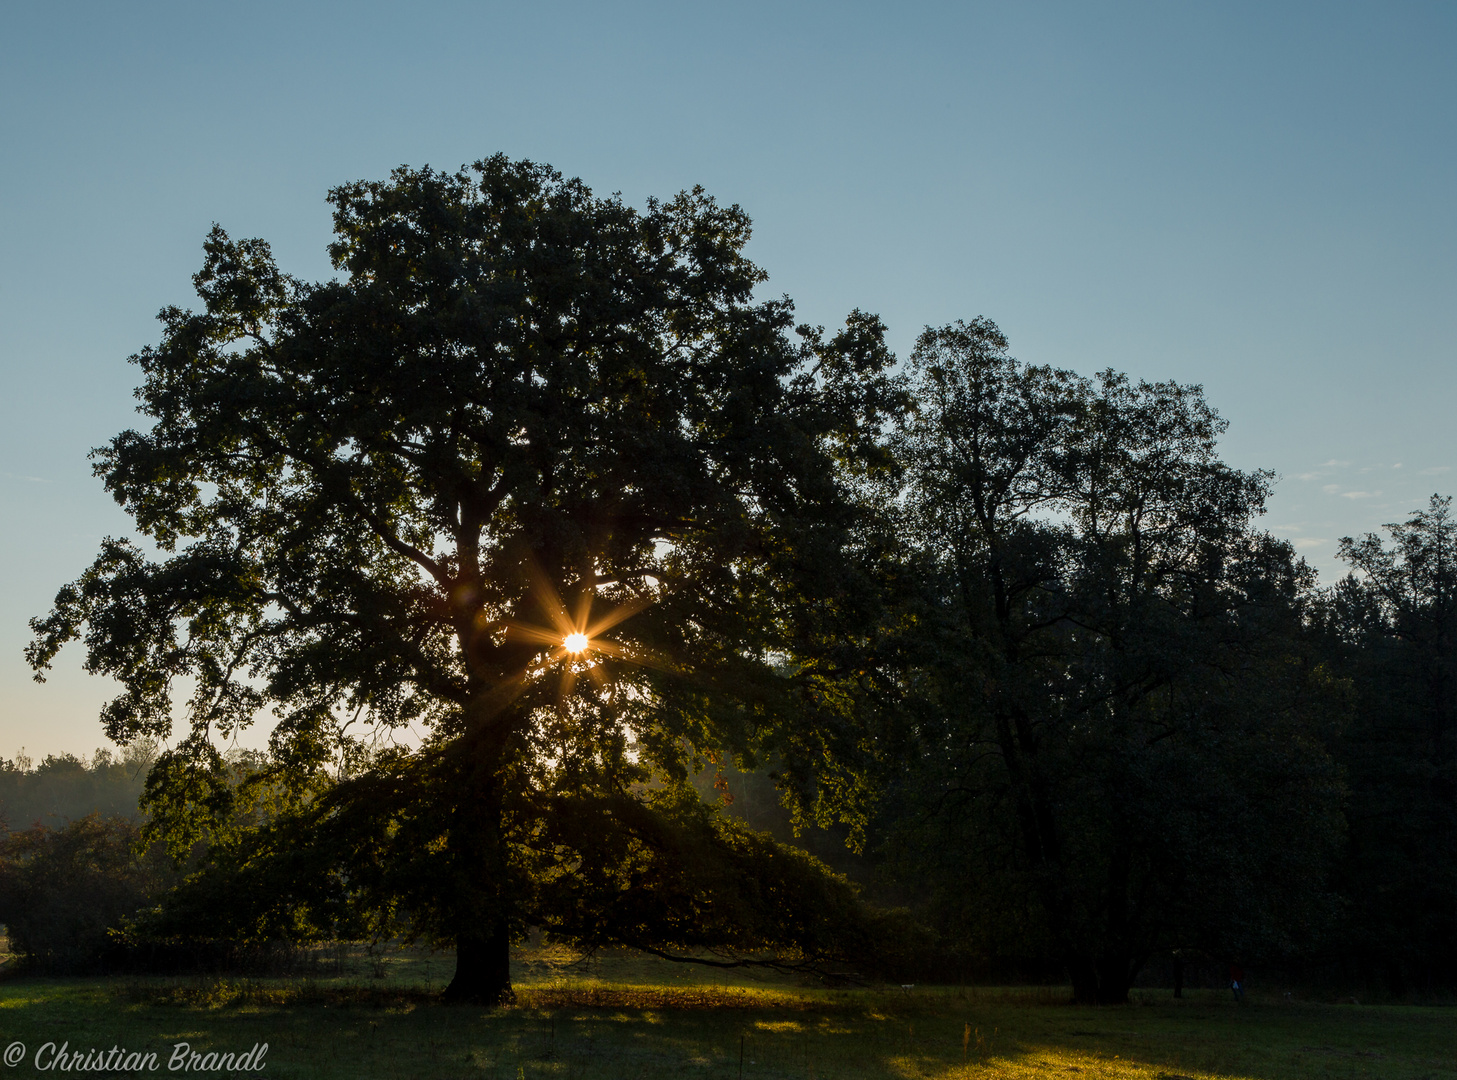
534	475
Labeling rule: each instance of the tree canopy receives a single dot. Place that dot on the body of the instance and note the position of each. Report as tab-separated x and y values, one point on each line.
536	475
1115	733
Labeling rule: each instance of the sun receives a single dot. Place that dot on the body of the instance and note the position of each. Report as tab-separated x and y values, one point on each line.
573	641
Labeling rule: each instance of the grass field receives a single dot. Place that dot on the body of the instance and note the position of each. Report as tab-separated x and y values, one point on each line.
626	1018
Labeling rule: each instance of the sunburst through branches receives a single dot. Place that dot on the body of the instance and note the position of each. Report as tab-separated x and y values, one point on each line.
574	639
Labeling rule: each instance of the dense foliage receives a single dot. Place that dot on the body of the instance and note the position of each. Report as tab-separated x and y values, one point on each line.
64	891
1115	747
537	476
534	517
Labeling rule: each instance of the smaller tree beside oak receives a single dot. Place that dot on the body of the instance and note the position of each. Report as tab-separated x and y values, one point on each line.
1116	747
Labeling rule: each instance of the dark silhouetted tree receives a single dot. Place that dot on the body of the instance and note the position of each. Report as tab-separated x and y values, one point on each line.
1114	738
1393	632
535	475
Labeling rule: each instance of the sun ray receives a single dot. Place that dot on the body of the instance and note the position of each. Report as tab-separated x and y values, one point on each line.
568	684
632	656
533	633
548	597
585	597
618	614
503	694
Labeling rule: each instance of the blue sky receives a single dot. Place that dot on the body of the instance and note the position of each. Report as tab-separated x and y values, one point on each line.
1255	197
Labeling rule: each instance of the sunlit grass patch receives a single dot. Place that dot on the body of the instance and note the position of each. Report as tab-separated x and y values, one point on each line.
617	1016
231	993
672	998
778	1026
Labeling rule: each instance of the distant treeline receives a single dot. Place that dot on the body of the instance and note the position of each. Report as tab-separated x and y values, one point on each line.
64	788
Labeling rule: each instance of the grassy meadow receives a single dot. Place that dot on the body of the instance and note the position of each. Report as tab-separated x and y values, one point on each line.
630	1018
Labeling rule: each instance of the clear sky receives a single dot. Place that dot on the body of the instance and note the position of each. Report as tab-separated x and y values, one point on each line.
1256	197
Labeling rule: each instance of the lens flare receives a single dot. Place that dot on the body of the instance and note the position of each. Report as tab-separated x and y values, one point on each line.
564	638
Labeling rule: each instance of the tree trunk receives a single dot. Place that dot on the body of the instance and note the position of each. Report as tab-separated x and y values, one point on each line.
482	899
482	968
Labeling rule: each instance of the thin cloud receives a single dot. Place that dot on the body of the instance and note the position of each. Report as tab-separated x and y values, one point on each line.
1310	542
1360	494
1333	463
1435	470
27	479
1332	489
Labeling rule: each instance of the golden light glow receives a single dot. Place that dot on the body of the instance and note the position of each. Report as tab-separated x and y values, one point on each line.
568	634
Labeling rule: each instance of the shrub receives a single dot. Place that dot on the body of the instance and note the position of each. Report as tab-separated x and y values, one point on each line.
62	891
